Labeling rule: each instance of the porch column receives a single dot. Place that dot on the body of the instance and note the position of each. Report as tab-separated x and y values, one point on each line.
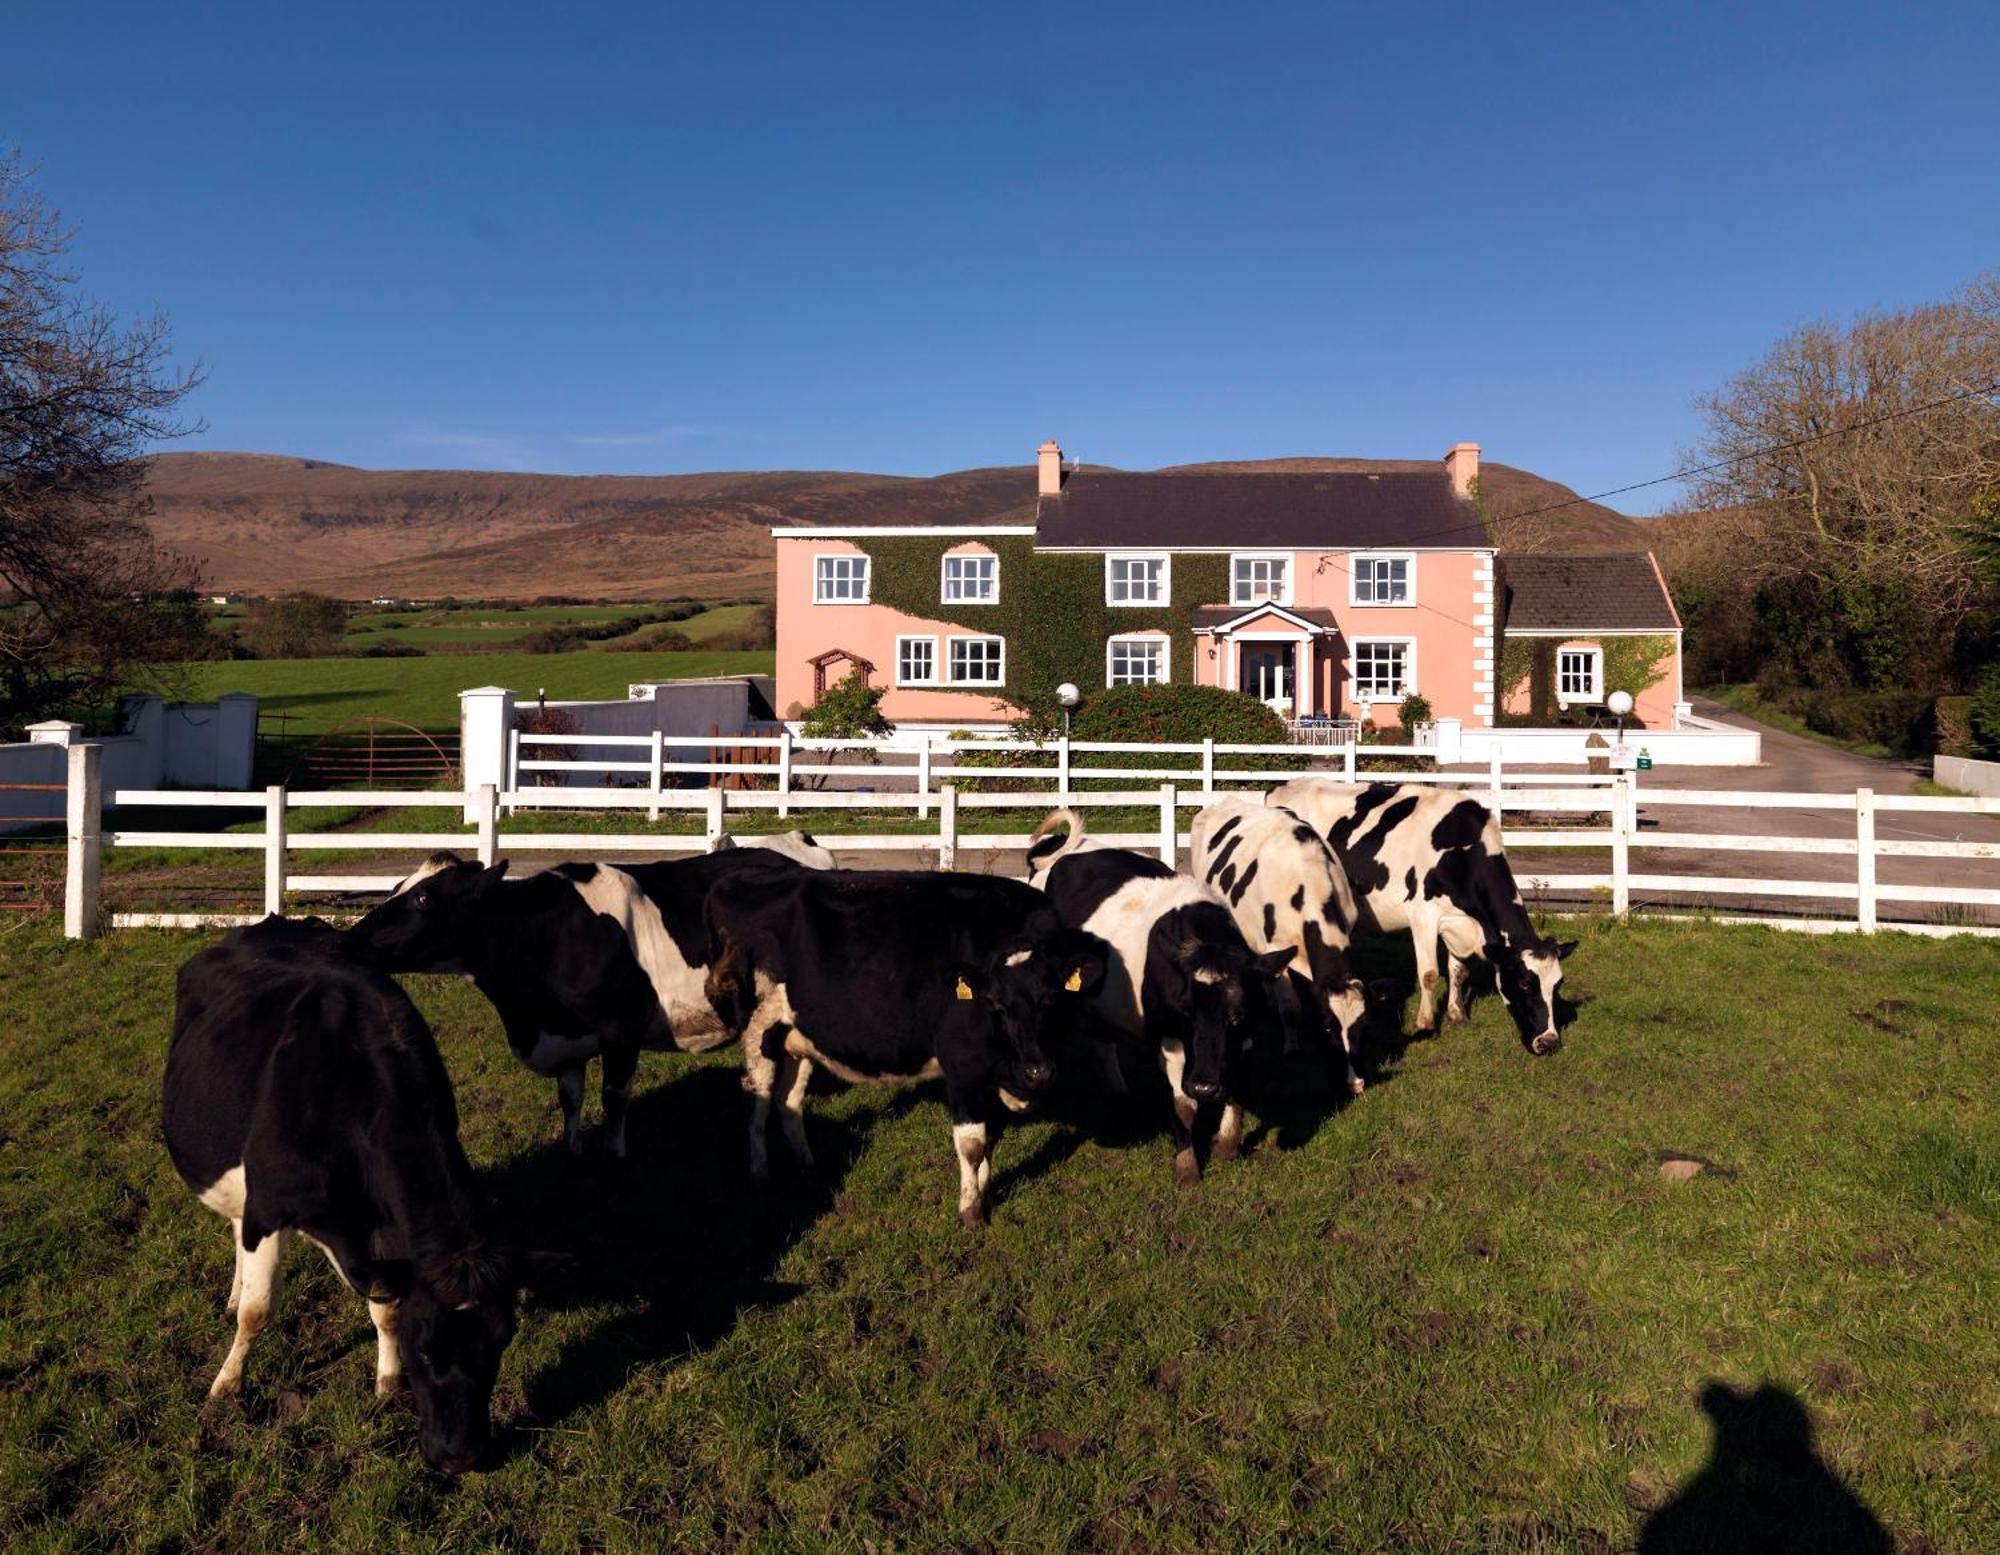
1302	686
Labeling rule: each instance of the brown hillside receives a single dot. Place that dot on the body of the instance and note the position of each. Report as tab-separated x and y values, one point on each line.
261	523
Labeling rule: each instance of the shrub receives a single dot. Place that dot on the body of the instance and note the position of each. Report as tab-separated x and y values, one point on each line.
1177	715
1411	712
1983	717
294	626
851	709
653	639
550	639
391	650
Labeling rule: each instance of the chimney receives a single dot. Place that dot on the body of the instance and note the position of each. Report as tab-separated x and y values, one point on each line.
1461	464
1049	461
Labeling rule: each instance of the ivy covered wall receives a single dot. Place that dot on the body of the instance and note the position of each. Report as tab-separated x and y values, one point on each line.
1634	664
1051	609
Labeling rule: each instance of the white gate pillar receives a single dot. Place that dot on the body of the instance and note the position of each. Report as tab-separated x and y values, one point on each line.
485	717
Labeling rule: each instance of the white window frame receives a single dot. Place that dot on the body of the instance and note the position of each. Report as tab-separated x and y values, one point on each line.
1409	561
1409	647
944	578
1166	561
1595	654
1284	594
917	637
821	597
1165	645
951	679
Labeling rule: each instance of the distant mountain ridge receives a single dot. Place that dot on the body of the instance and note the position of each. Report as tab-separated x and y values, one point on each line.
265	523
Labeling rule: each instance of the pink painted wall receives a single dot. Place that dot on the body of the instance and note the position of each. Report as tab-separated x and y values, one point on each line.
806	630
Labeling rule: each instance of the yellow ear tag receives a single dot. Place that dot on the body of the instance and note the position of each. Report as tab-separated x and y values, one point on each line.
964	989
1075	983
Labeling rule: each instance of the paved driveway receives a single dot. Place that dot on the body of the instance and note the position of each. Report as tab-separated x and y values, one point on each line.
1795	764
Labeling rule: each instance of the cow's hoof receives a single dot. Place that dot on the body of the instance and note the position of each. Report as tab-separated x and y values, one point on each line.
389	1387
972	1215
226	1387
1225	1149
1187	1170
1457	1017
1356	1086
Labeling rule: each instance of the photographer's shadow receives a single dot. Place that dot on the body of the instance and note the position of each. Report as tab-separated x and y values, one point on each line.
1764	1490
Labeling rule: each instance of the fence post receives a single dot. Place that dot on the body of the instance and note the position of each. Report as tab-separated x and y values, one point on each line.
1493	775
1062	768
1170	837
658	774
274	850
489	825
1208	764
85	863
1347	762
714	826
513	772
485	718
1864	858
1621	847
784	770
923	776
947	828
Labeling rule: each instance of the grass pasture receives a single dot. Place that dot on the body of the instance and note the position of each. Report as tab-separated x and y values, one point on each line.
322	694
1465	1312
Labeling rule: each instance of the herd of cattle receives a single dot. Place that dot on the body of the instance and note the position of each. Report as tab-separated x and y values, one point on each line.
304	1095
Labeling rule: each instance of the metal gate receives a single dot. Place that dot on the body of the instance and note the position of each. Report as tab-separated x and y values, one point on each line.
366	753
33	848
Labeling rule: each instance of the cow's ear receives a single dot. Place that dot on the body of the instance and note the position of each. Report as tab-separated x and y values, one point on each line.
1563	950
965	980
1083	972
492	876
532	1268
1273	962
389	1279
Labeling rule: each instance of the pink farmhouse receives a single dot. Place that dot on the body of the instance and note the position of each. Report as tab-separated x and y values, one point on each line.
1324	595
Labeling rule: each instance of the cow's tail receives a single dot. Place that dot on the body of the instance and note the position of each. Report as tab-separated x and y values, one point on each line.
1045	846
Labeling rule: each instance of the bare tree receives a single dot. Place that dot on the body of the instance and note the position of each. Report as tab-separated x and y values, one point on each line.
93	604
1851	461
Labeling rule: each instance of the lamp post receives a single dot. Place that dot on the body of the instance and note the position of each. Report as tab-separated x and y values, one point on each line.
1069	697
1619	706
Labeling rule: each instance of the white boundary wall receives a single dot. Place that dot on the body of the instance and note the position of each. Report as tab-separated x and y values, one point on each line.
1973	777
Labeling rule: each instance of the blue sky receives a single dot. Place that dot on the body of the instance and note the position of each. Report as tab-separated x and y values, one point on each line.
918	238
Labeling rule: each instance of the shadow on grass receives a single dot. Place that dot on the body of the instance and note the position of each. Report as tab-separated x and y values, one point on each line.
676	1237
1764	1489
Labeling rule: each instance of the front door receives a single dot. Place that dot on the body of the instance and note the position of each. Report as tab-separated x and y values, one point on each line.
1265	671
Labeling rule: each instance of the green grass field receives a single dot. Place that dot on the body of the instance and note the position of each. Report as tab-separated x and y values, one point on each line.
323	693
1465	1312
499	627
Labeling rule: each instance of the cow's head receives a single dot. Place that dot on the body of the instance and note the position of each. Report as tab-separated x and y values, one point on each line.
1019	989
1343	999
454	1319
1529	976
424	925
1217	989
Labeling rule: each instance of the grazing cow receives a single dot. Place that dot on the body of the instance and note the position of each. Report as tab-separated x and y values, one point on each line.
1287	893
304	1096
1181	976
581	961
894	976
1433	863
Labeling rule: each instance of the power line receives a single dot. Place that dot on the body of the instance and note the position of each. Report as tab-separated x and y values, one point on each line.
1744	458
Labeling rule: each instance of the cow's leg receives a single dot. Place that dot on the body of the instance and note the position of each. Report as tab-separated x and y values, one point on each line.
760	1074
236	1276
388	1359
1187	1165
1424	941
256	1301
968	1143
620	1064
1229	1132
569	1096
793	1076
1461	974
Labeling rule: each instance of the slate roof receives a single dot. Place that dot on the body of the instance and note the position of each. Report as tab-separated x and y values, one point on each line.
1251	512
1605	591
1205	618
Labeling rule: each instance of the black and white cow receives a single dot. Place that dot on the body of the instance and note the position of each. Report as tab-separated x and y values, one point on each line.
1433	863
1287	893
1181	976
895	977
305	1097
581	961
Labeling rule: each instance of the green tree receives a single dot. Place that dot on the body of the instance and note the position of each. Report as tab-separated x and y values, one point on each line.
294	626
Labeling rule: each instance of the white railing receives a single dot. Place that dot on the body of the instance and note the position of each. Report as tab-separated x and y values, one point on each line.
1600	815
927	765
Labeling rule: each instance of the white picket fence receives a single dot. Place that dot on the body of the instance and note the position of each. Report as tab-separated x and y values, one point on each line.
1602	814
